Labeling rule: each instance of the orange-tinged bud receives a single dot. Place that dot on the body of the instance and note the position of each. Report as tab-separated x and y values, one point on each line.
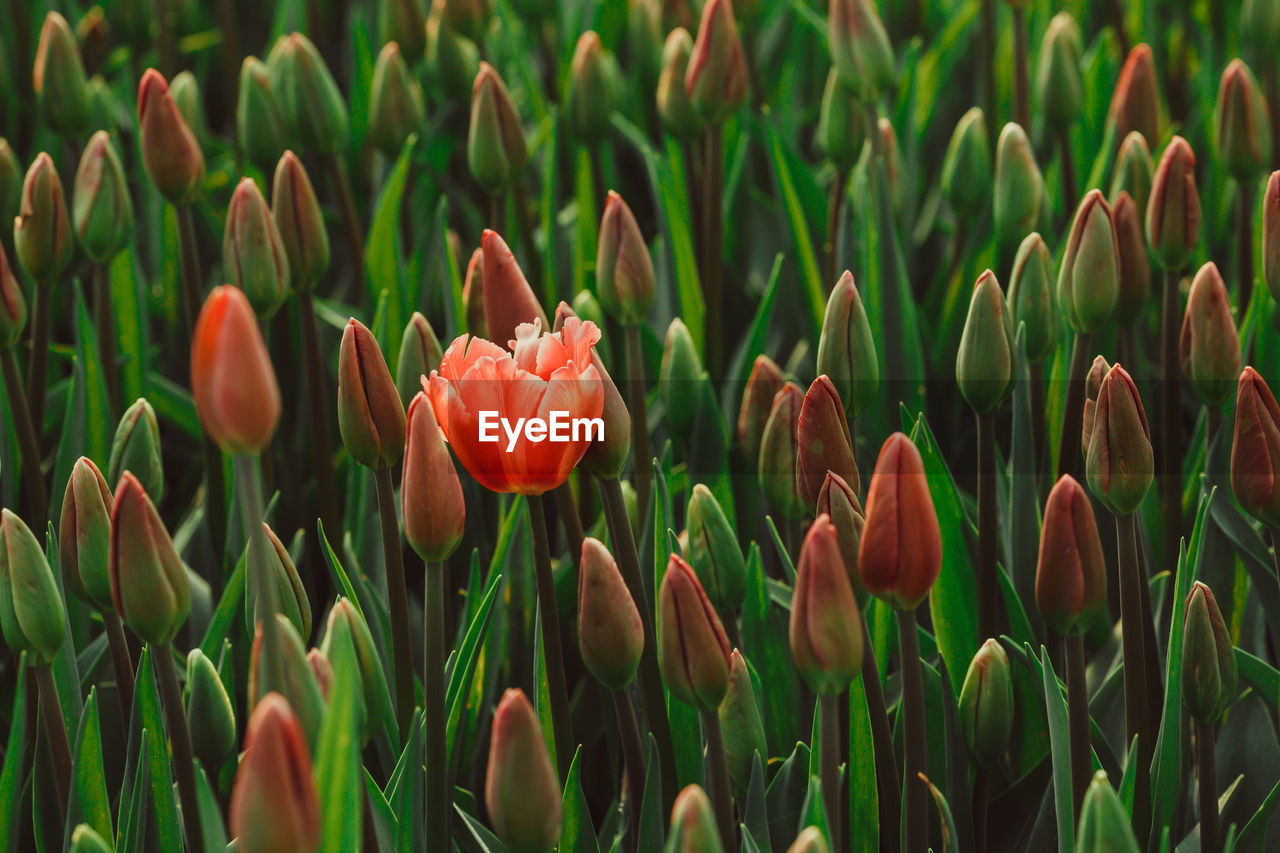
716	80
1209	344
434	510
624	270
13	306
496	150
274	805
1071	574
42	230
253	253
232	379
1119	464
170	152
84	535
610	633
693	824
1135	104
778	462
692	648
508	298
300	222
1173	211
824	443
1135	264
473	296
826	640
763	383
521	790
1092	385
1255	451
323	671
148	579
370	415
1242	122
901	549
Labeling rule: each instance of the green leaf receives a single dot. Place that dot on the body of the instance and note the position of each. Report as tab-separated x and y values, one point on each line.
211	828
944	817
464	661
382	252
11	772
338	769
651	835
1023	522
864	803
146	721
577	835
766	645
89	802
1254	835
814	290
132	829
230	606
407	789
1060	742
127	305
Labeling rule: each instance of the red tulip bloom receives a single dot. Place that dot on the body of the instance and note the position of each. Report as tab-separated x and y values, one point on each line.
505	413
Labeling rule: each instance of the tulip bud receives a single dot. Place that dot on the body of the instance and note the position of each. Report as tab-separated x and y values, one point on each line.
693	824
607	457
692	647
1089	278
1242	122
1208	658
186	95
1271	236
42	230
984	365
1030	298
901	548
420	353
496	149
966	169
1135	104
521	790
826	640
260	127
741	724
232	379
84	535
300	222
1071	573
274	805
10	182
508	298
624	270
779	458
1019	186
322	669
841	132
289	674
716	79
370	415
763	383
680	379
1255	449
1120	464
590	100
1092	385
714	553
846	349
986	705
13	307
610	633
1173	211
401	22
58	78
346	624
840	504
84	839
310	101
290	596
170	152
1059	82
678	114
644	40
210	716
1104	822
431	497
1209	345
860	48
1135	264
136	448
101	209
253	253
148	579
396	107
824	443
1133	172
469	17
810	840
454	58
31	611
893	165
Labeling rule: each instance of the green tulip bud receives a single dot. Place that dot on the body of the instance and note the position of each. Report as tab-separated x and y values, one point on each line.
716	79
1135	264
300	222
1059	81
289	595
59	79
986	705
1270	235
13	307
589	102
841	132
680	379
1133	172
370	414
521	790
984	365
186	95
10	182
825	633
42	229
1120	463
84	536
260	127
84	839
291	675
1089	278
1019	186
170	152
1071	573
454	58
764	381
420	353
693	825
136	448
346	621
692	649
1104	823
678	114
846	349
624	270
1209	345
1173	211
894	169
401	22
473	296
211	718
860	48
966	169
396	107
779	452
101	209
1242	122
644	40
31	611
1208	658
1135	104
810	840
253	252
1030	298
823	442
496	149
742	725
310	101
148	579
610	633
714	553
469	17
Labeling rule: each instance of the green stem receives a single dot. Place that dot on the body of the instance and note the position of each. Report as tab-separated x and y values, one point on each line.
38	366
397	600
1021	85
632	758
1206	761
988	615
318	412
915	819
1244	247
1068	165
1171	455
835	209
640	453
1073	411
106	331
1135	667
1038	432
180	742
28	443
718	778
434	703
561	722
498	213
567	506
1078	721
981	805
55	729
347	207
988	60
121	663
713	243
888	781
261	588
829	765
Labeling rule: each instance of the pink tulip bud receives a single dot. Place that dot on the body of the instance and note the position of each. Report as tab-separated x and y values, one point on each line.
521	790
170	152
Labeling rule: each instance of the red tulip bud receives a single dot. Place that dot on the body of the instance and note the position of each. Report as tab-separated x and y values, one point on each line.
716	80
370	415
42	230
1255	451
508	298
148	580
1071	574
1135	105
521	790
430	495
1092	385
300	222
826	639
1209	345
624	271
901	549
1173	211
274	805
170	152
610	633
764	382
84	535
824	442
692	647
693	824
1120	463
1135	265
1271	236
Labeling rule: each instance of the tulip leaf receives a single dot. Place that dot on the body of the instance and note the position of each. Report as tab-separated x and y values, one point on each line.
1129	779
784	557
386	827
1019	625
173	404
1258	674
382	254
945	817
337	768
127	303
814	810
132	823
787	792
211	828
753	344
1023	520
230	606
146	724
651	833
766	645
89	801
577	835
464	661
1253	837
472	836
864	803
815	290
405	790
1060	743
11	772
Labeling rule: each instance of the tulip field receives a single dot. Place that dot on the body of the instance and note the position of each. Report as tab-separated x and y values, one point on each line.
694	426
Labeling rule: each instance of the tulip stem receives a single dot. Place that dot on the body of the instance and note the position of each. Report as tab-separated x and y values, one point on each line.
37	368
888	782
1206	762
1213	422
981	806
1073	411
632	757
347	206
1021	85
561	722
55	729
640	454
260	587
437	754
28	444
1171	457
1078	721
1038	421
829	765
318	427
121	662
180	742
834	212
988	615
1244	247
1135	666
106	330
567	506
915	818
398	599
655	706
718	778
713	243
